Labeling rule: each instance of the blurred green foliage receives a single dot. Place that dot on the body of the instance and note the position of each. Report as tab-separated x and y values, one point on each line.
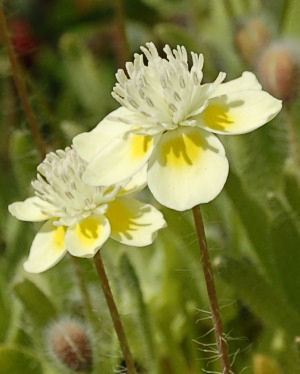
70	52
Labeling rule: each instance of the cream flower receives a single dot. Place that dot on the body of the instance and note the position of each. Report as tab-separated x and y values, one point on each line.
167	120
80	218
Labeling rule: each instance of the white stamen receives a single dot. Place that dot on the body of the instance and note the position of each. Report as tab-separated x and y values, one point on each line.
150	90
66	197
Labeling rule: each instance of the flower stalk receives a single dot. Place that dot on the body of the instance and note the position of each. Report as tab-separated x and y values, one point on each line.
21	86
211	290
121	41
114	313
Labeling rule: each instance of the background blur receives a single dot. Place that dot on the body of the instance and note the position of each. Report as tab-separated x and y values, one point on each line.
70	51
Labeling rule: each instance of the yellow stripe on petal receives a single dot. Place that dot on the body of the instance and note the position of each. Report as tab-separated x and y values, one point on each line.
86	237
88	231
218	117
119	216
59	237
182	150
188	167
47	248
133	222
140	145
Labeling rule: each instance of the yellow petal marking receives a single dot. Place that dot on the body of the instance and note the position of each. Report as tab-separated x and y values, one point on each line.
120	217
218	117
88	231
183	150
59	237
140	145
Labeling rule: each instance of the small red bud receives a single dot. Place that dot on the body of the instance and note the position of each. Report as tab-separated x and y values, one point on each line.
251	36
278	70
71	345
23	37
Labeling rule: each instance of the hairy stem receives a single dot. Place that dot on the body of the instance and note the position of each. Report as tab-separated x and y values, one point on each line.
121	42
20	86
211	290
114	314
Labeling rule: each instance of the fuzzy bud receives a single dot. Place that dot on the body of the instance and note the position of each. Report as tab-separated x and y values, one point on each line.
71	345
252	35
263	364
278	70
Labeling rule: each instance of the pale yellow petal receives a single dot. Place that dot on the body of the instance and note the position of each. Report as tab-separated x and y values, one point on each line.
86	237
47	248
136	183
188	167
28	210
239	112
133	222
247	81
88	144
120	160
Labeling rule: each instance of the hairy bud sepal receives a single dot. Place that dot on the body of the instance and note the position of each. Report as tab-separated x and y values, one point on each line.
278	69
71	345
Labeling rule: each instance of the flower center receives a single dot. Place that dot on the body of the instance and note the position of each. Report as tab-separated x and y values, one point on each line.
65	196
165	93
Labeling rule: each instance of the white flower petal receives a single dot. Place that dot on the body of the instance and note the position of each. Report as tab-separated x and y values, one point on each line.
136	183
239	112
119	160
47	248
28	210
88	144
86	237
134	223
247	81
188	167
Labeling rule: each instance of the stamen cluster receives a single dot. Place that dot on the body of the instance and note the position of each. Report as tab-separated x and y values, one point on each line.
65	196
165	91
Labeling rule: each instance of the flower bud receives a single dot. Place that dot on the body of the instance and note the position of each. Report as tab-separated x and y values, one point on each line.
252	35
278	70
263	364
71	345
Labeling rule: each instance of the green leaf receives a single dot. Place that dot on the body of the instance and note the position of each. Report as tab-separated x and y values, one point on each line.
35	302
17	237
24	159
174	35
284	249
259	157
5	306
16	361
292	190
89	80
259	295
291	25
138	307
253	215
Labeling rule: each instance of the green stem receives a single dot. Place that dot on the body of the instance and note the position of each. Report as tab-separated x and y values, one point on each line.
114	314
283	14
211	291
230	11
21	86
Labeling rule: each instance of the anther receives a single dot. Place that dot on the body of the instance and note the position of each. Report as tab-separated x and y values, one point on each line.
149	102
182	82
172	107
177	96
